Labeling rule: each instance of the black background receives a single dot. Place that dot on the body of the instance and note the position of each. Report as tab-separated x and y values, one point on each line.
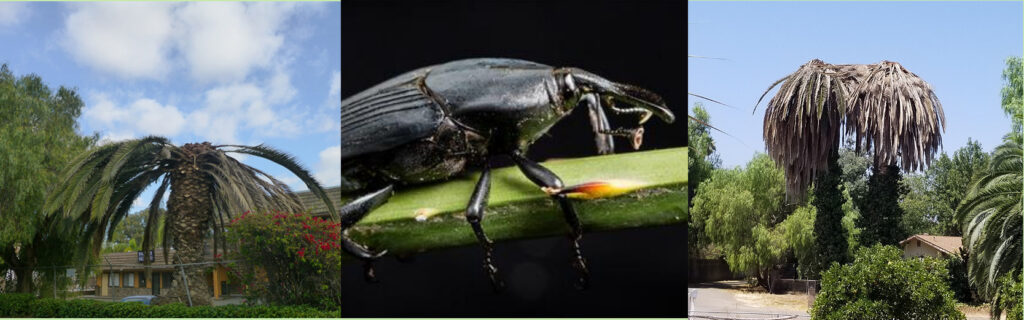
639	272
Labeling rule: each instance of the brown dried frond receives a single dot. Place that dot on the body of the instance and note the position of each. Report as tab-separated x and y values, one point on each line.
885	107
896	115
802	122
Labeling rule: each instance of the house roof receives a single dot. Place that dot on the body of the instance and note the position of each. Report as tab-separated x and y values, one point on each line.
130	260
316	206
945	244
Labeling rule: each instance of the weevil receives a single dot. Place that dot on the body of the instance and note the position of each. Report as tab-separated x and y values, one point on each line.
437	122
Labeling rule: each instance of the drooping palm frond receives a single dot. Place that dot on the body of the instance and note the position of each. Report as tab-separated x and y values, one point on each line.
101	185
992	218
802	122
887	109
896	114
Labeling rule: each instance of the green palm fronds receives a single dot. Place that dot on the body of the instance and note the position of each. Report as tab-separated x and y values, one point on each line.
99	187
992	219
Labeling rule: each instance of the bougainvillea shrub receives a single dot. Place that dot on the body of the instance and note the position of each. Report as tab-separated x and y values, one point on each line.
288	258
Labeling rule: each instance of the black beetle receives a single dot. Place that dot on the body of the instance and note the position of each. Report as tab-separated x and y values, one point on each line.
435	122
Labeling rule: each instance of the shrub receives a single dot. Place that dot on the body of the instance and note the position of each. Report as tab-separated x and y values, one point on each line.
15	304
958	280
25	305
1009	298
289	259
880	284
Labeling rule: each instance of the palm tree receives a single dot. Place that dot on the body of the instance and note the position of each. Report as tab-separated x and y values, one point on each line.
206	186
888	110
991	217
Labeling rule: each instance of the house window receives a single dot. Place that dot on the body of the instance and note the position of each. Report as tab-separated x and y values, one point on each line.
114	280
129	280
918	243
142	279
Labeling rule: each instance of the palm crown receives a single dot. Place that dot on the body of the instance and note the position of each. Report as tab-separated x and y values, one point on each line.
207	187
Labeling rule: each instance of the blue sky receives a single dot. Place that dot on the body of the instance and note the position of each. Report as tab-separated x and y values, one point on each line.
959	48
230	72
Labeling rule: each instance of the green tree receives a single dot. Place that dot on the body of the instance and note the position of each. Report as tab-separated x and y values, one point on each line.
701	162
830	241
881	215
920	207
992	219
1013	91
206	187
798	231
738	210
880	284
950	179
1010	298
701	157
37	138
127	236
855	165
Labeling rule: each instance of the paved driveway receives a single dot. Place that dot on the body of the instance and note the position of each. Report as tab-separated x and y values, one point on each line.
722	303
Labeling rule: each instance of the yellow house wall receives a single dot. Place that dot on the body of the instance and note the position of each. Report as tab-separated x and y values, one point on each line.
103	284
911	250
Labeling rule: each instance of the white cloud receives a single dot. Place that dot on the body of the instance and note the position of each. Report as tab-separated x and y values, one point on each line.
143	117
224	41
220	42
335	93
280	87
130	40
328	168
13	13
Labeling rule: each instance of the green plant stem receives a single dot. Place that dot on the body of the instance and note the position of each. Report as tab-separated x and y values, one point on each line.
519	209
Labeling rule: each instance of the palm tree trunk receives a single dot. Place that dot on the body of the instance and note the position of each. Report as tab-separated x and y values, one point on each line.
188	210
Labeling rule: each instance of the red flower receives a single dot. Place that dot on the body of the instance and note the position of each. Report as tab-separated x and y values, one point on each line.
217	256
302	252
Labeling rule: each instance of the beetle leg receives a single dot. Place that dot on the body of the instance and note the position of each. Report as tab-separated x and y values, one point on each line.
551	184
354	211
599	122
475	214
351	213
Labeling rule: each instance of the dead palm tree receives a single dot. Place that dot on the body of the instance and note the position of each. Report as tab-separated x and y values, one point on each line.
888	110
207	187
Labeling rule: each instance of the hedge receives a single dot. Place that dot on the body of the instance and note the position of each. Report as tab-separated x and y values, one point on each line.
26	305
881	285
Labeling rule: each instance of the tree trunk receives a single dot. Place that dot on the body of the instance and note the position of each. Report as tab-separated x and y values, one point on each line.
189	208
24	263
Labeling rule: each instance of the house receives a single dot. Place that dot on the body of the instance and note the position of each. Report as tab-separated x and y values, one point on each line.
925	245
123	274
